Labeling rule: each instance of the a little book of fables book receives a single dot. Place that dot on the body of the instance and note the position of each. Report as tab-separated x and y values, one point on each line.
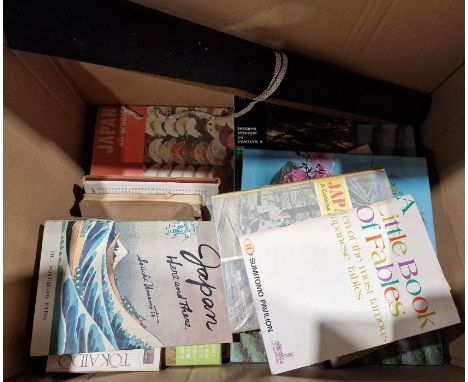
105	285
345	282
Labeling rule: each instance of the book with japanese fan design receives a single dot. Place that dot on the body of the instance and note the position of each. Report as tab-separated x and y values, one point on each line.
150	141
345	282
106	285
243	212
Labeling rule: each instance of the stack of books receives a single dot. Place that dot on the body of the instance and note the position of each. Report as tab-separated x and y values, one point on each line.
325	249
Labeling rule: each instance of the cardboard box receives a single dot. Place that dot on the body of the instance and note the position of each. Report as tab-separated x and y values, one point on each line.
46	102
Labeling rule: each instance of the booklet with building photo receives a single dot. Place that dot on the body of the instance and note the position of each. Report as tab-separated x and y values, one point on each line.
345	282
106	286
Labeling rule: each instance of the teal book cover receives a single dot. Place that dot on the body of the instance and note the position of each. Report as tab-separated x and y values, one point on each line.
407	175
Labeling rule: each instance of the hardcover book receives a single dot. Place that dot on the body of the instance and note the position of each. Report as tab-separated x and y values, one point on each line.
150	141
243	212
407	175
127	360
270	126
193	355
345	282
106	286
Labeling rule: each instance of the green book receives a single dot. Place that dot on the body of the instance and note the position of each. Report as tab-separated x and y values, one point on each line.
193	355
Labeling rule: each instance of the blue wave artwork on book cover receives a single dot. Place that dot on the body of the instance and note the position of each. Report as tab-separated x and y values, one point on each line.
106	285
407	175
93	316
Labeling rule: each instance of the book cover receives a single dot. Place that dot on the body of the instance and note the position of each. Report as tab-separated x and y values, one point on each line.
345	282
238	213
247	347
106	286
407	175
147	140
193	355
116	361
270	126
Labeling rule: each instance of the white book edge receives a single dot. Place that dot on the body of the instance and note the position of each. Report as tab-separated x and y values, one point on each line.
205	190
46	285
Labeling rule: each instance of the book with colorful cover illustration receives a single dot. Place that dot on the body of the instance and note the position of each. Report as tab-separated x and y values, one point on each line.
106	285
345	282
124	360
243	212
149	141
247	347
407	175
193	355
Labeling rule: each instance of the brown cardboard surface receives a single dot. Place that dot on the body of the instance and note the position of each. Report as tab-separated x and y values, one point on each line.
261	373
103	85
43	134
414	43
442	138
390	40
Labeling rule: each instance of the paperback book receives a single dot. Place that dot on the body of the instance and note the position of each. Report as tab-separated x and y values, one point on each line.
386	283
116	361
243	212
150	141
193	355
106	285
407	175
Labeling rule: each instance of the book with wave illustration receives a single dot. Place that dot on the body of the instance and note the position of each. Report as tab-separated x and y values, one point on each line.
106	286
239	213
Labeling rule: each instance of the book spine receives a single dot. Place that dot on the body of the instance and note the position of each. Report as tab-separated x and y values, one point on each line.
119	141
117	361
52	246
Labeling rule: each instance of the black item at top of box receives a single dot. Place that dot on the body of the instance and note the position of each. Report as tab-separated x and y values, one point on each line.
126	35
